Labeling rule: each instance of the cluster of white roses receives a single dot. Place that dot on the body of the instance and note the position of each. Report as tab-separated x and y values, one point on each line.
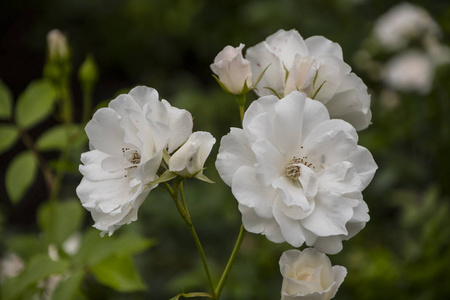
131	141
295	167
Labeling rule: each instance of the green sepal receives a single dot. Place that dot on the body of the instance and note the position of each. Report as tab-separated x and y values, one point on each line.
166	176
166	156
191	295
202	177
320	87
259	77
221	84
273	91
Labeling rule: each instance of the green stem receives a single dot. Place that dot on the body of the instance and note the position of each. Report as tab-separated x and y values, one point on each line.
66	102
241	99
224	277
241	112
184	213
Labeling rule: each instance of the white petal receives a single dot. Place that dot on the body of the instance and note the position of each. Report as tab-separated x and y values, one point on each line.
264	104
339	273
286	44
92	169
104	132
268	164
261	129
351	102
146	172
180	124
330	215
329	244
234	152
261	57
340	178
319	45
250	193
292	194
331	72
364	164
144	95
287	123
314	114
190	157
291	229
330	142
255	224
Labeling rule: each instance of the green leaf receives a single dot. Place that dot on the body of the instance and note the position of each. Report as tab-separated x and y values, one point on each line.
94	248
20	175
69	288
119	273
8	136
59	220
39	267
35	103
58	138
5	102
26	246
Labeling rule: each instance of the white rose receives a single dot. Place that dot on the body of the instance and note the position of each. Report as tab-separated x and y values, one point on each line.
233	70
315	67
190	158
127	140
297	175
409	71
403	23
308	274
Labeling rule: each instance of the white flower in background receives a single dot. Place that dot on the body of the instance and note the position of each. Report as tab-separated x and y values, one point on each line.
57	44
233	70
72	244
190	158
308	274
127	140
10	265
315	67
403	23
409	71
296	174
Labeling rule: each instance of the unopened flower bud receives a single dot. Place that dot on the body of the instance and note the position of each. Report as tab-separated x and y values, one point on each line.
234	72
57	45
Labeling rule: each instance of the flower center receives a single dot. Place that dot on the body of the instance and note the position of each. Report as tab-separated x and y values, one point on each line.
293	170
132	156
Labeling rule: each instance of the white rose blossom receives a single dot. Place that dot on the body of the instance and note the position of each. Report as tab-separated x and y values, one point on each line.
403	23
126	141
308	274
297	175
233	70
190	158
314	66
409	71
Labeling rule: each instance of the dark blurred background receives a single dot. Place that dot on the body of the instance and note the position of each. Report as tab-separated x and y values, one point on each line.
403	253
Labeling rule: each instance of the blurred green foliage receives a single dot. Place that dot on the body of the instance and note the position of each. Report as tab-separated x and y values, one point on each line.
403	253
